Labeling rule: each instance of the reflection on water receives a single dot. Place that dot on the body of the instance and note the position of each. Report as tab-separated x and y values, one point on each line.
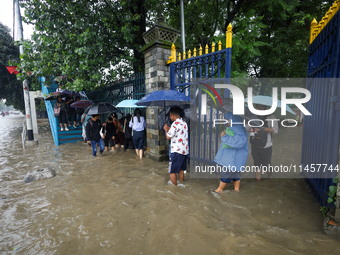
118	204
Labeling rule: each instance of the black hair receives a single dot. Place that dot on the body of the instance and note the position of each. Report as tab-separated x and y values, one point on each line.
176	111
77	97
128	117
95	115
137	113
109	118
114	115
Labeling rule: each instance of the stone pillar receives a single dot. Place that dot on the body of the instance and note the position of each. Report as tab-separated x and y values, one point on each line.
157	51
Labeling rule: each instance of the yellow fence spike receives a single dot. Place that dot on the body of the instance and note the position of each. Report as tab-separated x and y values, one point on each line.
195	52
313	25
325	20
189	54
322	23
329	14
184	55
229	33
213	47
318	29
170	60
337	5
333	8
220	45
206	49
173	53
179	56
200	50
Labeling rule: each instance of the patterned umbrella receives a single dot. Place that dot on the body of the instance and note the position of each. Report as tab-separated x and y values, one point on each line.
227	106
68	92
100	108
81	104
164	98
50	98
268	101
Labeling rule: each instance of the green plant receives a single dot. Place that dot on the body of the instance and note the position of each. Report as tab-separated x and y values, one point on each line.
324	210
332	191
332	197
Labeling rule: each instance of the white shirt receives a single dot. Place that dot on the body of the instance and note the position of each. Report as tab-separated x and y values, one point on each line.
275	126
138	126
179	137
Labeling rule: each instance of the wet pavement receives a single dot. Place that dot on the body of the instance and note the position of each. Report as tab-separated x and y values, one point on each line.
119	204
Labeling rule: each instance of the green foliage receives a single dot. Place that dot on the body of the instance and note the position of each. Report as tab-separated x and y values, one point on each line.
96	41
10	87
324	210
85	39
332	191
332	197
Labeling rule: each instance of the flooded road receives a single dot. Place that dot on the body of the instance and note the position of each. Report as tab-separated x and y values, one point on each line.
118	204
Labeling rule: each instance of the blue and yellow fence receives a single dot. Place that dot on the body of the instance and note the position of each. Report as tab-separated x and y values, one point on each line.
320	143
202	63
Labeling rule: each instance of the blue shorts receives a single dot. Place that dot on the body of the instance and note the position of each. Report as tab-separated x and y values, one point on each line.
230	175
177	162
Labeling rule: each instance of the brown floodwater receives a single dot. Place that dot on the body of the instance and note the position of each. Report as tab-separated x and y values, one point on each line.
118	204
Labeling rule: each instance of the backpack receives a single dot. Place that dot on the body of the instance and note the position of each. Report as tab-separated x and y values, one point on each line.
261	137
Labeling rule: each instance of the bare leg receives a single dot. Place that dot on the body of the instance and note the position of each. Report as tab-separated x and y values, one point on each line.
237	185
181	175
137	152
258	174
140	153
106	148
173	179
61	125
221	187
65	124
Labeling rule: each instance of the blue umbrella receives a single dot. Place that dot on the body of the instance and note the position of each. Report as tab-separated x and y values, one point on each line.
268	101
164	98
129	103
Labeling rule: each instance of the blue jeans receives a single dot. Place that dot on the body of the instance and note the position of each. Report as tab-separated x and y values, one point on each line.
138	139
94	146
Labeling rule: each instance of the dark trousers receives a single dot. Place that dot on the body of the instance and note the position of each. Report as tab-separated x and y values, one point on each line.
108	139
62	117
138	139
119	138
262	156
128	143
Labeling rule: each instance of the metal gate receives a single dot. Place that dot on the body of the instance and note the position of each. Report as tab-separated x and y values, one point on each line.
132	87
321	130
189	68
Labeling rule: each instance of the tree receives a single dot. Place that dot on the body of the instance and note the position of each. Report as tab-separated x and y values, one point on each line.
86	39
10	87
95	41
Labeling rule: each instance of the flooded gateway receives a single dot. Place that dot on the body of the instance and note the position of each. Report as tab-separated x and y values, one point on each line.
118	204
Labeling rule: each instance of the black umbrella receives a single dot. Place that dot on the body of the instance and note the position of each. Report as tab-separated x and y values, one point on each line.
100	108
188	114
